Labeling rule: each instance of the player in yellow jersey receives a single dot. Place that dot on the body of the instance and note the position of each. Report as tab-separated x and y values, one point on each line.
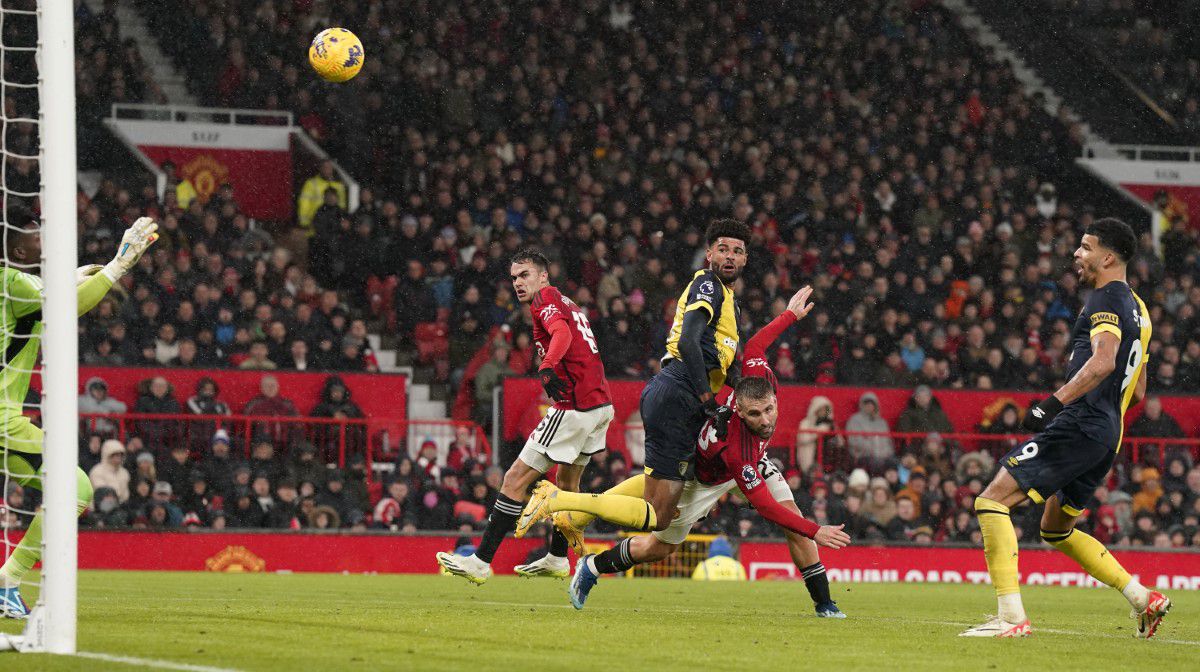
1079	431
20	340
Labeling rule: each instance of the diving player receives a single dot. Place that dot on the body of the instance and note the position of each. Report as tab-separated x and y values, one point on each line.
1078	433
714	478
20	339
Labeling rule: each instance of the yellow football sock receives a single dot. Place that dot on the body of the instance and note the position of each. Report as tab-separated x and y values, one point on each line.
999	544
632	513
1084	549
633	487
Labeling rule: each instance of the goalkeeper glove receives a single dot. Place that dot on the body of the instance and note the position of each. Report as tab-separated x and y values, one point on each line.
1039	416
137	239
556	388
85	273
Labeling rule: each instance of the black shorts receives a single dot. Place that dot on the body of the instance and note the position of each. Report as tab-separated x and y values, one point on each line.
673	417
1060	461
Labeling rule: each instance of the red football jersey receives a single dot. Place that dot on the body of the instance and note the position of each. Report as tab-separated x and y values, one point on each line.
580	367
737	457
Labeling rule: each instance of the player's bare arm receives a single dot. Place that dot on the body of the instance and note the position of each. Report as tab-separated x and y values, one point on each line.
1102	363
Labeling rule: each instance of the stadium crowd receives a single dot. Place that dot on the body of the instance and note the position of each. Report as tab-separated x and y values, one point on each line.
876	152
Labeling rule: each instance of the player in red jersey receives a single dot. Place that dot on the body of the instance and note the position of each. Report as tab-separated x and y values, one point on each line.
571	432
727	458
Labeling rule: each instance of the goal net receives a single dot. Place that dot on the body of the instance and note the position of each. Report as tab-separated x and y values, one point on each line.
37	90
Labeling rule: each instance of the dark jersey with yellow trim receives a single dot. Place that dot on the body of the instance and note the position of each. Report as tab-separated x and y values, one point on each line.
1115	309
720	342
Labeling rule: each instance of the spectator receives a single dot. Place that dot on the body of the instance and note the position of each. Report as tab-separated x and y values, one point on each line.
391	510
907	522
284	513
414	301
246	512
869	451
462	452
305	468
314	193
334	496
336	403
107	511
205	402
259	359
487	378
812	435
161	497
269	404
924	414
110	472
95	399
1146	499
880	508
1156	423
263	463
157	397
176	467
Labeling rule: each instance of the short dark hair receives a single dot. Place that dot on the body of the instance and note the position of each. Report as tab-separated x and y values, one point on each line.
19	220
753	388
726	228
1116	236
529	255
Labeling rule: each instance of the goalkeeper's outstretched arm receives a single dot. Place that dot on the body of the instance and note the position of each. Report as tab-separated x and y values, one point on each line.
137	239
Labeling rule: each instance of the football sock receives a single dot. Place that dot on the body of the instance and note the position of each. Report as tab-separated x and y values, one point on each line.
29	550
1096	560
632	513
502	521
633	487
558	544
614	560
1000	550
817	582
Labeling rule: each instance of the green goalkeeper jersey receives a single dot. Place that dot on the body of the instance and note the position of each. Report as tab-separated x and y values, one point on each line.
20	335
21	329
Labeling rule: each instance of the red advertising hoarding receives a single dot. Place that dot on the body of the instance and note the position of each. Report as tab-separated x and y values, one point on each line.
397	554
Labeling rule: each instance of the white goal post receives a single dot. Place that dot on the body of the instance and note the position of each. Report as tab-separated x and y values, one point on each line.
52	627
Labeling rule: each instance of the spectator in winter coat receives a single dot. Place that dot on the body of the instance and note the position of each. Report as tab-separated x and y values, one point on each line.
158	397
1155	422
270	404
809	438
924	414
871	452
205	402
336	403
305	468
111	472
95	399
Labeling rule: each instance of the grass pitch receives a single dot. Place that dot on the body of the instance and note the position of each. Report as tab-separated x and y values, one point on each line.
332	622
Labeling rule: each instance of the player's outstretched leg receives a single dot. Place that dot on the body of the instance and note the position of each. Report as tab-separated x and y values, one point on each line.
1000	550
616	560
572	524
1058	530
477	567
29	550
629	512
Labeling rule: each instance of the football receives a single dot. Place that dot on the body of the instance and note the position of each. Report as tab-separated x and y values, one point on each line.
336	54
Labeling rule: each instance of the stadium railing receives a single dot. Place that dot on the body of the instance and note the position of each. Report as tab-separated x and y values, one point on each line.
833	453
381	441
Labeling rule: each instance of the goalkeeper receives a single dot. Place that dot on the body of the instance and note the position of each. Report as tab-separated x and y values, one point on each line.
20	339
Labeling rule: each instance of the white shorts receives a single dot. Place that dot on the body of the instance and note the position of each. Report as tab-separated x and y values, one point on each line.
567	437
698	499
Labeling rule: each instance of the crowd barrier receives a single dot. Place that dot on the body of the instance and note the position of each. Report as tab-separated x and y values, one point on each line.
380	440
764	560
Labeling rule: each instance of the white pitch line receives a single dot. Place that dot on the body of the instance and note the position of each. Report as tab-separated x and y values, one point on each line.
148	662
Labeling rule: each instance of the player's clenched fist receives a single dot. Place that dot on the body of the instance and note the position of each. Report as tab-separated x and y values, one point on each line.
832	536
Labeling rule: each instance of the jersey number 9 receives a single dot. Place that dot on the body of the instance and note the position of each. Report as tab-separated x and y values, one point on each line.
1131	367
